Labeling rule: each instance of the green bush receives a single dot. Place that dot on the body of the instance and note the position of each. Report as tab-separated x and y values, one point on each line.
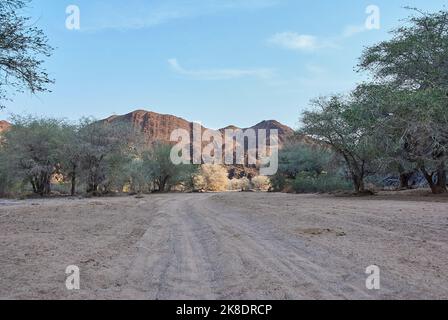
279	182
305	183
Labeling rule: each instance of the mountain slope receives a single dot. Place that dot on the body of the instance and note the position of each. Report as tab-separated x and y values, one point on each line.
4	125
158	127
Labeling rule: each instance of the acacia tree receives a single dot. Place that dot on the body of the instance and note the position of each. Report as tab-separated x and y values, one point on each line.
71	155
162	172
32	148
386	107
6	176
415	64
340	123
100	144
22	47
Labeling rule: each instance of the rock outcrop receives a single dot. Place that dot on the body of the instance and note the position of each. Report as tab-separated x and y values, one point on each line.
4	125
157	127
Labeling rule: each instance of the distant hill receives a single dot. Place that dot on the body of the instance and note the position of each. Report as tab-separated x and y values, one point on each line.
158	127
4	125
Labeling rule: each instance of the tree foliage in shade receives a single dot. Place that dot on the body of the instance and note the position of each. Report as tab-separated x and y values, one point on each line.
102	147
413	66
399	120
22	50
104	158
339	122
32	148
162	172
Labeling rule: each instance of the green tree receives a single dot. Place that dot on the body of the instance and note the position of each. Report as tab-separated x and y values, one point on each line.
414	66
339	123
102	146
6	176
162	172
383	104
32	147
71	155
295	158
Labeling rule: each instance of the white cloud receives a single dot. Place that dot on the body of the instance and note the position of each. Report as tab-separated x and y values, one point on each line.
299	42
294	41
220	74
305	42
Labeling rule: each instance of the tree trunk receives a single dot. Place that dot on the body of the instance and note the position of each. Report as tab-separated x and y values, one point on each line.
404	180
358	182
34	185
41	184
441	178
73	189
73	180
92	188
436	188
47	185
162	185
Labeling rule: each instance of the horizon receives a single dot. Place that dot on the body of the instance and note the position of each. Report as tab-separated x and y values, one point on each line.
256	60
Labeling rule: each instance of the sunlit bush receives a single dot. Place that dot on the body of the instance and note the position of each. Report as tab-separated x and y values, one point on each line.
211	178
261	183
242	184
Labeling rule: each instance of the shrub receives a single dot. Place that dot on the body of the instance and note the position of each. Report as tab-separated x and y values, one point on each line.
242	184
234	184
211	178
305	183
279	182
261	183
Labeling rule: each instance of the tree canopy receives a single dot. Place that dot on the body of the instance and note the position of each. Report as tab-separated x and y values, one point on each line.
23	47
400	118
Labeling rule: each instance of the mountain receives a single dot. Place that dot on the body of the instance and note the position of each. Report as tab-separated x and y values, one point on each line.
284	132
4	125
154	126
158	127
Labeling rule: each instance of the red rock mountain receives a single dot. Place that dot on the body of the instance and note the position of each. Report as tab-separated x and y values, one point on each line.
154	126
158	127
4	125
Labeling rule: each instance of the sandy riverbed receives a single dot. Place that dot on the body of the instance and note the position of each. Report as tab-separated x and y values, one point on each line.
225	246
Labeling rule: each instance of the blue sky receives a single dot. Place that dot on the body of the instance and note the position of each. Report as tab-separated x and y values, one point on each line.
220	62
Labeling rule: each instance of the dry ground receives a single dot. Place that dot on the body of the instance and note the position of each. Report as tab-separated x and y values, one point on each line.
225	246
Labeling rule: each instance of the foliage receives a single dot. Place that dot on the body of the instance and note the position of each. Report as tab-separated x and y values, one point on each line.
308	168
340	123
411	71
163	173
102	147
22	47
306	183
31	147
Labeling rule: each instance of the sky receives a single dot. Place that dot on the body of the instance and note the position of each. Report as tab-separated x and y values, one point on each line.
218	62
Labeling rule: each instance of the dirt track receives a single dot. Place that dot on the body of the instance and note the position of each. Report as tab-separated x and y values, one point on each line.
224	246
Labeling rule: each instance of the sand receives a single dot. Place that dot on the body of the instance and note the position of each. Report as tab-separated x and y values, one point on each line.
225	246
